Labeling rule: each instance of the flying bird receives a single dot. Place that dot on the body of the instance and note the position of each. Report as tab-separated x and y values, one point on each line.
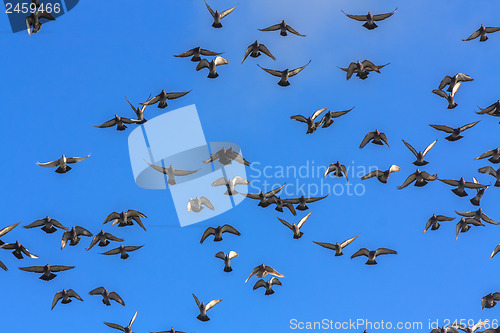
481	32
33	24
197	204
372	254
6	230
139	112
66	296
127	329
433	222
464	225
370	19
212	66
47	270
375	137
197	52
419	177
267	284
419	155
171	172
254	50
171	330
217	232
327	119
302	201
312	125
104	239
337	247
226	157
489	300
263	197
204	308
230	184
119	122
338	170
283	28
262	270
122	251
285	74
362	69
455	132
19	249
73	236
450	97
461	185
492	110
296	227
127	218
478	215
480	192
451	81
280	203
494	156
227	259
162	98
48	225
218	16
62	163
107	296
492	172
471	329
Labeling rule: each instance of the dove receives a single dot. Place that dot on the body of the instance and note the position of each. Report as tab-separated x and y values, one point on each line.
375	137
327	119
47	270
455	132
461	185
230	184
284	74
337	247
227	259
204	308
339	170
33	24
219	16
127	329
312	125
126	218
494	156
481	32
107	296
370	19
301	202
122	251
73	236
280	203
296	227
478	215
212	66
197	204
217	232
362	69
119	122
283	28
104	239
371	255
171	172
66	296
433	222
419	177
254	50
450	97
382	176
226	157
162	98
267	284
62	163
19	249
262	270
487	170
196	54
262	197
48	225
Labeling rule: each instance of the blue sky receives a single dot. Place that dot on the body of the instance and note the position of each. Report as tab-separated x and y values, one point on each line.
75	73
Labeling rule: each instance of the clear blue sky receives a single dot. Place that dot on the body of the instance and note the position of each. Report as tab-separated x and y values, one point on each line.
75	73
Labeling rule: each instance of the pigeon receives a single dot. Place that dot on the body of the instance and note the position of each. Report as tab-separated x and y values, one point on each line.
227	259
464	225
327	119
18	250
33	20
218	16
230	184
312	125
450	97
217	232
481	32
73	236
480	192
47	270
285	74
492	172
122	251
62	163
6	230
382	176
170	331
489	300
162	98
49	225
420	177
254	50
419	155
196	204
478	215
283	28
197	52
267	284
461	186
452	81
280	203
362	69
495	251
127	329
455	132
262	270
119	122
226	156
66	296
127	218
370	19
433	222
212	66
262	197
492	110
296	227
204	308
372	254
107	296
171	172
301	202
139	112
104	239
471	329
494	156
376	137
338	170
337	247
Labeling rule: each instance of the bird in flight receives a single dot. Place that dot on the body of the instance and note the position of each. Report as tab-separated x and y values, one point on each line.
219	16
162	98
254	50
285	74
62	163
204	308
375	137
296	227
212	66
337	247
217	232
283	28
371	255
454	132
481	32
263	270
421	154
362	69
267	284
370	19
196	54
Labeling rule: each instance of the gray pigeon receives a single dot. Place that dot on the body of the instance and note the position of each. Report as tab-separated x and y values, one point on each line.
284	74
162	98
267	284
481	32
370	19
212	66
218	16
464	225
283	28
204	308
494	156
478	215
254	50
312	125
171	172
420	178
230	184
433	222
33	24
492	172
382	176
119	122
338	170
122	251
217	232
420	155
66	296
127	329
227	259
197	204
262	197
47	270
196	54
371	255
62	163
107	296
461	185
451	81
296	227
375	137
48	225
337	247
73	236
362	69
455	132
489	300
226	157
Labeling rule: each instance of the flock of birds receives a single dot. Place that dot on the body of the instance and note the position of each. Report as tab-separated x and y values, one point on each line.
225	156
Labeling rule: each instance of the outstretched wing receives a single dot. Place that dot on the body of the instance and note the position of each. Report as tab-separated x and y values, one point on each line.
285	223
293	31
443	128
300	118
317	113
220	61
411	178
303	220
380	17
230	229
272	28
326	245
76	159
182	55
411	148
429	147
375	173
484	155
207	203
355	17
175	95
444	82
465	127
51	164
473	36
9	228
264	50
488	171
383	250
347	242
208	232
271	71
213	303
258	284
361	252
115	326
297	70
227	12
367	139
210	9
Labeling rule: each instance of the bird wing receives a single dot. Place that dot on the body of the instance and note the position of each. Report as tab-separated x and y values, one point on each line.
33	269
97	291
380	17
132	248
383	137
175	95
350	69
296	71
429	177
72	293
361	252
207	203
271	71
238	158
285	223
115	297
232	254
60	268
383	250
444	218
240	181
314	199
355	17
488	219
220	61
375	173
394	168
56	299
339	113
182	55
290	207
196	300
51	164
5	230
220	255
202	64
473	36
465	127
80	231
300	118
367	139
227	12
264	50
479	324
272	28
210	10
443	128
76	159
213	157
272	271
484	155
58	224
488	171
213	303
258	284
461	77
230	229
275	191
429	147
444	82
455	88
451	182
293	31
209	53
94	242
184	172
317	113
112	252
115	326
152	100
347	242
158	168
28	253
247	52
254	271
466	214
220	182
474	185
440	93
410	147
208	232
326	245
408	181
491	29
45	15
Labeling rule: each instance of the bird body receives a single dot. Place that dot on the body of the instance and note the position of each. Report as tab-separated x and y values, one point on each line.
362	69
370	19
376	137
338	170
47	270
227	259
461	185
254	50
65	297
481	33
218	16
48	225
126	218
33	24
421	154
312	125
171	172
419	177
73	236
162	98
107	296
